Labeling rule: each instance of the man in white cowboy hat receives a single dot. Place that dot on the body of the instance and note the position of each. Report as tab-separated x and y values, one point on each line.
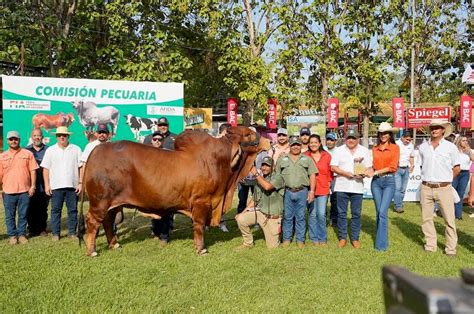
439	165
61	164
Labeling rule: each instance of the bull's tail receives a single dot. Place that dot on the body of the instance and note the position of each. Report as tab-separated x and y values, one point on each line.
81	226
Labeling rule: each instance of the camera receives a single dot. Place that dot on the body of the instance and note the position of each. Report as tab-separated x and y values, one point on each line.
405	292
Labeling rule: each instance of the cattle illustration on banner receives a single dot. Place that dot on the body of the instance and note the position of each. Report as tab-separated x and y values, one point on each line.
465	112
398	112
130	109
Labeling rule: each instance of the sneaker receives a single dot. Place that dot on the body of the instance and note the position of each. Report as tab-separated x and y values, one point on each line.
12	240
22	239
471	215
399	210
43	234
223	227
300	245
163	243
73	237
55	238
286	243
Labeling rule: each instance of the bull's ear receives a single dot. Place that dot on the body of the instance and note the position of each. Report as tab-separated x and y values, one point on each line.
236	152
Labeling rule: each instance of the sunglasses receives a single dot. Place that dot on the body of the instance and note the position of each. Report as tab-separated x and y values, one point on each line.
13	139
157	139
62	135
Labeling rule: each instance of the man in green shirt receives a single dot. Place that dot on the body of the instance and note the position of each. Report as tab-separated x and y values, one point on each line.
299	173
266	207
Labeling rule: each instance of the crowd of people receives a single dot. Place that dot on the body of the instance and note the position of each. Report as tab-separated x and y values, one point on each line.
299	176
294	180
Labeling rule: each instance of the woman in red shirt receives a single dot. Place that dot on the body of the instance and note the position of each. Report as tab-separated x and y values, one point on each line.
317	208
386	155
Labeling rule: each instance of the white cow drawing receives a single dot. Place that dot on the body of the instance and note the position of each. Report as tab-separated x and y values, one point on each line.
90	115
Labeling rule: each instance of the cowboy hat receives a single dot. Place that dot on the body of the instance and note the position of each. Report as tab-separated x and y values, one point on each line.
448	128
386	127
62	130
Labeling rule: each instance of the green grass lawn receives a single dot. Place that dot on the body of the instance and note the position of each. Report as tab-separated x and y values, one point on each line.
46	276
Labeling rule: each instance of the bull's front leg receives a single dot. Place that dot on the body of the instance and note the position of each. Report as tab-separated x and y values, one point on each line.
91	233
198	234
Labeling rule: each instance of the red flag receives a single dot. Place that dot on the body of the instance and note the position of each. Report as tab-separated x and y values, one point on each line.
465	112
333	112
272	113
398	112
232	111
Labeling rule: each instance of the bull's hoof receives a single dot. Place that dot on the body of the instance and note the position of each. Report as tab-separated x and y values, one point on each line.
203	252
116	246
93	254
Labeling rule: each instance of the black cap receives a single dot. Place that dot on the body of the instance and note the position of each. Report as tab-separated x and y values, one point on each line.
103	128
304	131
267	160
408	133
157	133
162	121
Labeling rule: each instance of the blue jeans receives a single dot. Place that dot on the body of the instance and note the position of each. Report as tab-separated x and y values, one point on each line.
295	208
343	199
460	184
382	189
317	219
401	181
333	200
11	202
57	199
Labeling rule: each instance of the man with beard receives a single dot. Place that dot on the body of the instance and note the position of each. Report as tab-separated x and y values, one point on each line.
282	146
305	133
331	140
37	215
18	178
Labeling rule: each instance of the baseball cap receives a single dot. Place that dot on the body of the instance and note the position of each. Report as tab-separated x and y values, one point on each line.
331	136
162	121
352	133
11	134
267	160
304	131
282	131
157	133
103	128
294	140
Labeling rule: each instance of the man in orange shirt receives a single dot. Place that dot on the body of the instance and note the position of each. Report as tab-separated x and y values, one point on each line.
18	176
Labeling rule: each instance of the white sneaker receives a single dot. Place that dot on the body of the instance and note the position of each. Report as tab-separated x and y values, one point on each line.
223	227
471	215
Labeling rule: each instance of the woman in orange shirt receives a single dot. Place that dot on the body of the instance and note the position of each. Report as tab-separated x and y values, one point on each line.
386	155
317	208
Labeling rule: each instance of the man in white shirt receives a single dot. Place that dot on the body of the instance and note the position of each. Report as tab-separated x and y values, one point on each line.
439	165
61	180
349	185
405	167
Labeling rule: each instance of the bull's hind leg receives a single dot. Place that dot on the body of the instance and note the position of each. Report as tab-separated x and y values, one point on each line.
109	228
198	234
91	232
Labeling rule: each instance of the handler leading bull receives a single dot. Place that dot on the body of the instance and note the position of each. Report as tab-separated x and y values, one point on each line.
198	179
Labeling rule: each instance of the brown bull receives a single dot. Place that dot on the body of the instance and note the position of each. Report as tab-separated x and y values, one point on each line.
52	121
198	179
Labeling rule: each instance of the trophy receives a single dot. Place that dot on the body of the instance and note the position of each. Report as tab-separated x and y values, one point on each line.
359	169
